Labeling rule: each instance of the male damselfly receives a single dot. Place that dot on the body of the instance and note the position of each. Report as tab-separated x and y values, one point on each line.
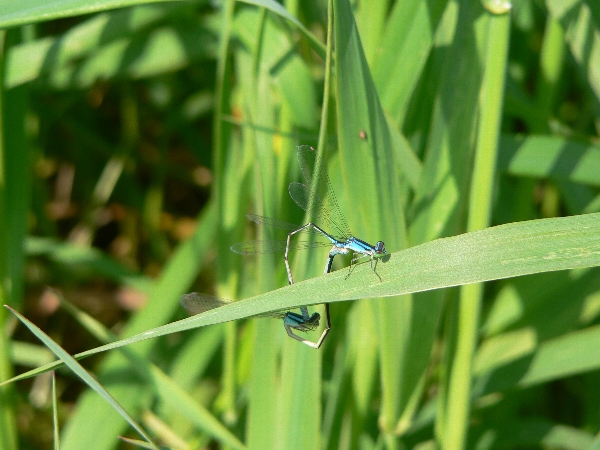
317	198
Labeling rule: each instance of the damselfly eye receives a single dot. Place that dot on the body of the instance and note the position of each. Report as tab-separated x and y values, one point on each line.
380	247
314	319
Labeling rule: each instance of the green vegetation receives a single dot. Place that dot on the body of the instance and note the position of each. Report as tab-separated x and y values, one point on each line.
133	142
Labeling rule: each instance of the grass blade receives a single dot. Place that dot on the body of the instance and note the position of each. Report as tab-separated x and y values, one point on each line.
550	156
479	216
561	357
33	60
163	302
12	213
580	21
405	48
72	364
171	394
31	11
504	251
372	188
55	432
278	9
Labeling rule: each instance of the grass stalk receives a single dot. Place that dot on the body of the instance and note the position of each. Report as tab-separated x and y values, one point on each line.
480	208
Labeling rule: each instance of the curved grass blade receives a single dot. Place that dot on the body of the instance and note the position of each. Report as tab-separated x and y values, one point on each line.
504	251
181	269
198	303
83	374
166	388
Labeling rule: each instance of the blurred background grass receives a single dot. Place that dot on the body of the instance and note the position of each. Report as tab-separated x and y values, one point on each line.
135	140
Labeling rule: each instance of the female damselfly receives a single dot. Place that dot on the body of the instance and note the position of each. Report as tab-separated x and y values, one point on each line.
197	303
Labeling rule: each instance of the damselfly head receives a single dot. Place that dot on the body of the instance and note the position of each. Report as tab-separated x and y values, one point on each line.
311	324
314	319
380	248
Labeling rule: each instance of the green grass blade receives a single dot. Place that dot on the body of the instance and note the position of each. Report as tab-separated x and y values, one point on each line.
581	24
56	435
31	11
11	254
270	54
538	303
161	50
504	251
300	402
173	395
552	58
409	164
335	398
274	64
446	114
550	156
176	277
446	168
142	444
31	60
76	257
405	47
564	356
200	349
535	432
299	405
441	199
30	355
514	359
263	417
479	216
278	9
362	340
372	187
72	364
371	19
595	445
18	186
177	397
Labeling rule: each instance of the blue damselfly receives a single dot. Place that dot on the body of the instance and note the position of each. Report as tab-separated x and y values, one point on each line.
197	303
317	198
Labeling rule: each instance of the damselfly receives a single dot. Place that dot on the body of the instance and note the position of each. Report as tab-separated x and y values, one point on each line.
317	198
197	303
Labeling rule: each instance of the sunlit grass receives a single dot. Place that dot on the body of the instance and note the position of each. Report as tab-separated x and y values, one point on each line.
134	141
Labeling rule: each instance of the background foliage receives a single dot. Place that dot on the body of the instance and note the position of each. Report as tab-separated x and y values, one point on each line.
134	141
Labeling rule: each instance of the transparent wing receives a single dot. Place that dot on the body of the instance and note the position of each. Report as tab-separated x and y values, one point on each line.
259	247
316	195
274	223
197	303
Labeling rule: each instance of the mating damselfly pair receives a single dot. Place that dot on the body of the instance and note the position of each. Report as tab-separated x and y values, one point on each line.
316	197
